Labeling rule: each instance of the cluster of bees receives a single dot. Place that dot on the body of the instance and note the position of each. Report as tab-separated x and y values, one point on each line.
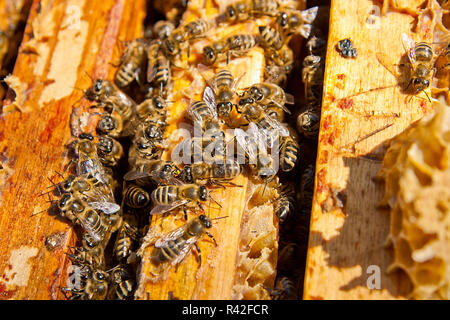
89	198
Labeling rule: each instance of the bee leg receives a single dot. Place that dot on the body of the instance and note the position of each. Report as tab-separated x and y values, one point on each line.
201	207
185	213
199	254
228	57
212	237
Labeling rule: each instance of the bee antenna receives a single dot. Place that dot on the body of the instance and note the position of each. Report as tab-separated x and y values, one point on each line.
218	218
427	95
90	77
60	174
215	201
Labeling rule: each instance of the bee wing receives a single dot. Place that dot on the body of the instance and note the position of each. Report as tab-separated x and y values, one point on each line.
236	82
88	228
207	74
106	207
409	45
309	15
135	174
247	142
185	250
171	236
289	98
210	99
151	71
161	209
305	30
268	134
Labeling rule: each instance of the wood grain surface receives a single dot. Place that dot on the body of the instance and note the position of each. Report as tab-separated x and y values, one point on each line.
364	104
63	42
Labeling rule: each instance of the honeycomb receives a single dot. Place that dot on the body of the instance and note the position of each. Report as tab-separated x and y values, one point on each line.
416	172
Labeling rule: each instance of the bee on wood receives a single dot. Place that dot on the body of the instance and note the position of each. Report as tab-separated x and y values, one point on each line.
236	45
421	59
266	94
291	22
136	197
158	171
269	129
121	284
180	37
96	287
308	122
252	142
285	289
286	203
167	198
220	92
215	173
88	163
243	10
111	125
126	237
131	63
110	97
174	246
93	224
94	258
312	77
110	151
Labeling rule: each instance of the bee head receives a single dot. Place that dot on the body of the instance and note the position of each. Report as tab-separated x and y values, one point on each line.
64	200
230	12
105	145
420	84
89	242
224	108
186	175
153	132
94	92
203	193
67	184
209	55
158	102
106	124
206	222
255	93
282	19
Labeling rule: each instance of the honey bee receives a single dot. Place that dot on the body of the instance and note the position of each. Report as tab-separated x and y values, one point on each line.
270	38
289	150
136	197
270	129
285	289
158	71
220	92
312	77
291	22
97	194
421	59
167	198
202	112
252	142
131	63
94	258
94	224
236	45
122	284
159	171
276	74
174	246
97	286
114	126
286	202
126	236
240	11
283	58
88	163
181	36
307	189
316	46
214	173
308	122
266	94
162	29
110	151
154	107
109	96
